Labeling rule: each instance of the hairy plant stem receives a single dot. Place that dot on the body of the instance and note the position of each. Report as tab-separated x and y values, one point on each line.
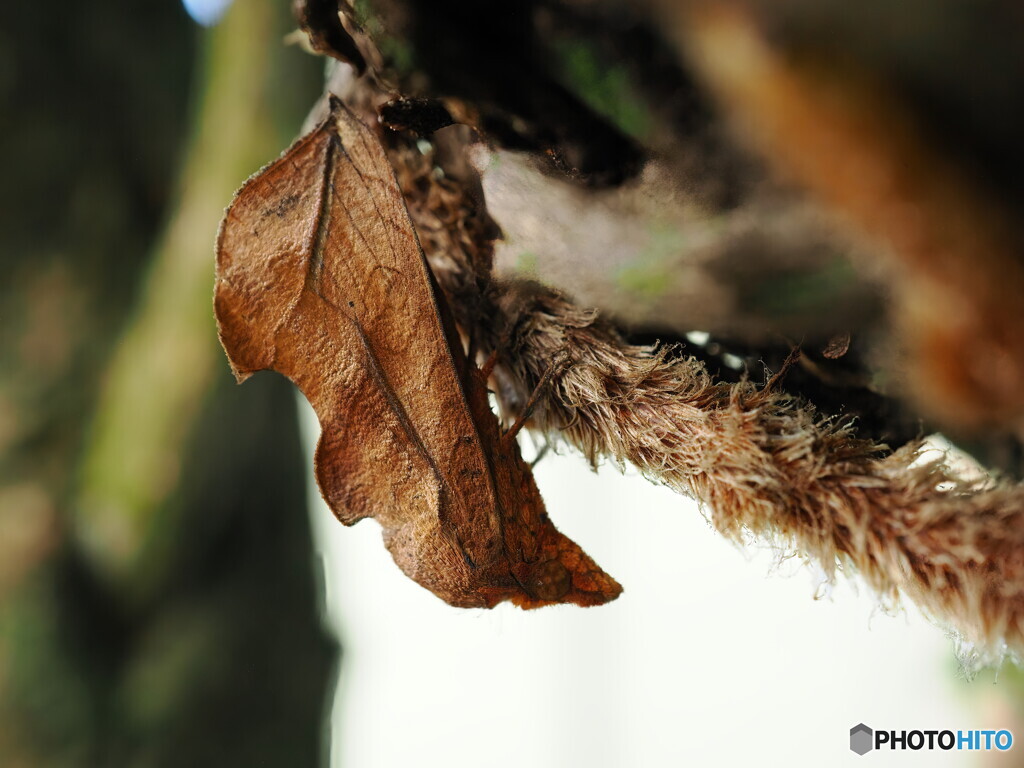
760	461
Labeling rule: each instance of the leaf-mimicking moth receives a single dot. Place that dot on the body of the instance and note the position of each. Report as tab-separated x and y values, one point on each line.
320	276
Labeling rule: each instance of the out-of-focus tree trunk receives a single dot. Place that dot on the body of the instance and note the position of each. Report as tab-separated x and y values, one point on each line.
157	576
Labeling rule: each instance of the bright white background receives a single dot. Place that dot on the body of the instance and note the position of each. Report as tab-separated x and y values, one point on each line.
711	657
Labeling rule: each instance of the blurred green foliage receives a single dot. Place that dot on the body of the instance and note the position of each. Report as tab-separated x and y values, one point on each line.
209	650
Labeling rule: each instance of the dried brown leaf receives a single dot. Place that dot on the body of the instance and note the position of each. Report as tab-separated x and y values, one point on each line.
320	277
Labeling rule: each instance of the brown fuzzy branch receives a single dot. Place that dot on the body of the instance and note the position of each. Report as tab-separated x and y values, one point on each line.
756	458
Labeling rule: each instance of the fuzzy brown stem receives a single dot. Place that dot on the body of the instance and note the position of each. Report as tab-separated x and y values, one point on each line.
759	460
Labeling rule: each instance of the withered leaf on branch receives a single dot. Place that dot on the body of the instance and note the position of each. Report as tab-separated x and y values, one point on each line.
320	276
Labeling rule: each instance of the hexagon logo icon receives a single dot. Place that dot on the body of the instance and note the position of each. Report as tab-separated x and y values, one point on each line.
860	739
